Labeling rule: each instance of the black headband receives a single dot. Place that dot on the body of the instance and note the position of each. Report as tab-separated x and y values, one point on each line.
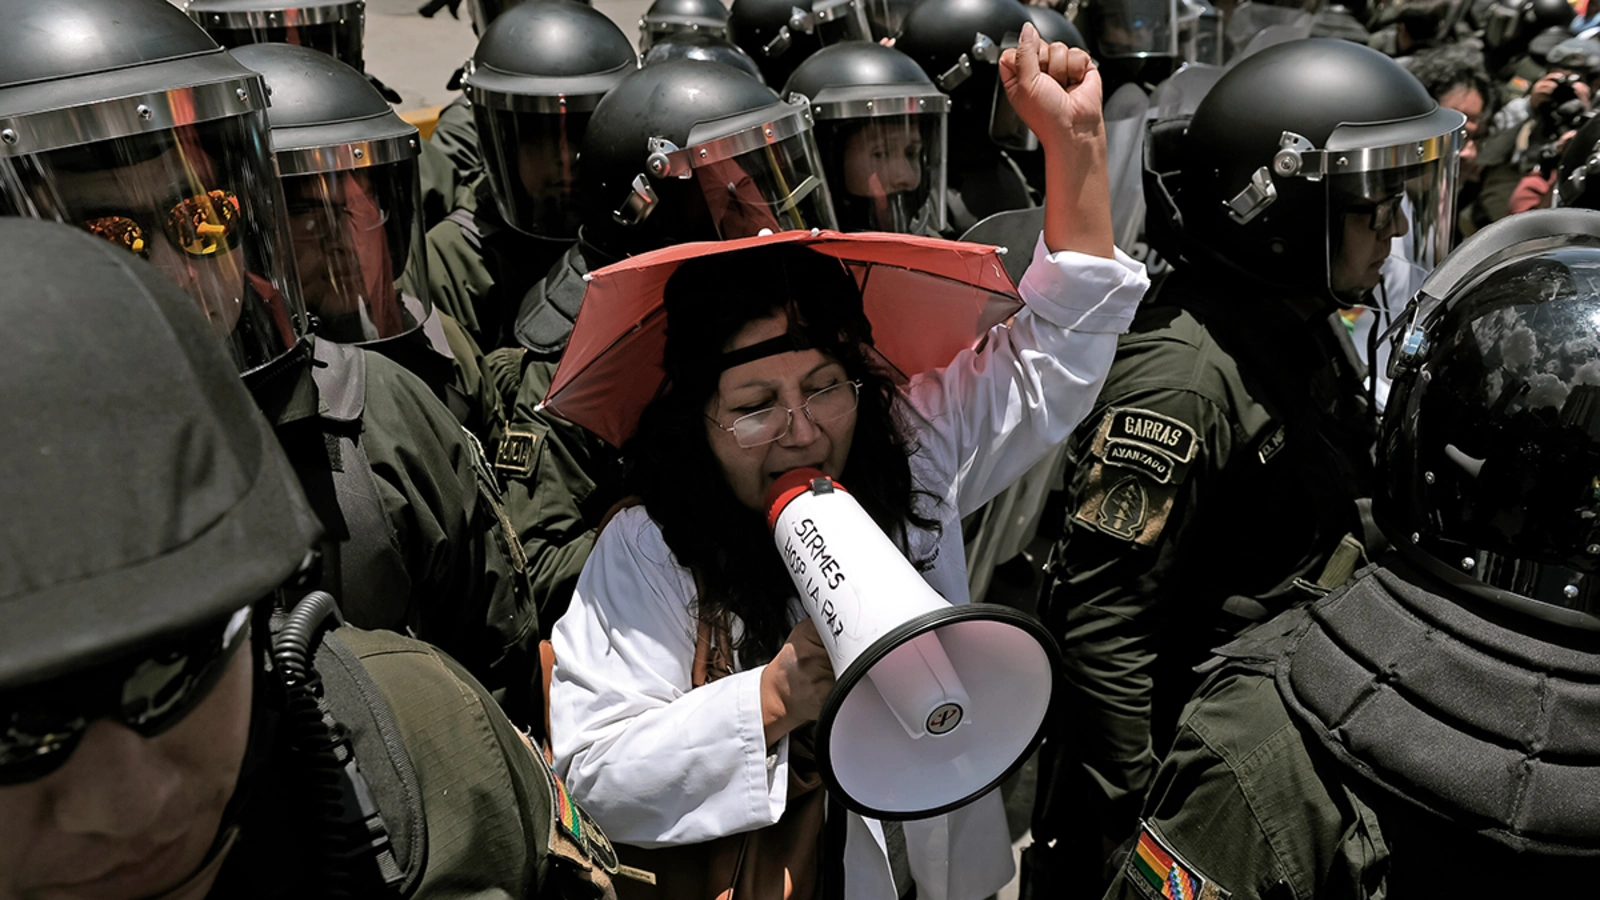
788	342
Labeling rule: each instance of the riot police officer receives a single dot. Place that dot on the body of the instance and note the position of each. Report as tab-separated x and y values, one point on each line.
181	175
335	27
177	721
781	34
668	158
670	17
353	192
536	77
958	44
1440	706
703	47
1217	479
881	129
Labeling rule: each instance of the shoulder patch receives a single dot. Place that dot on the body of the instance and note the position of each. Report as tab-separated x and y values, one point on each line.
1152	430
515	457
1271	444
1156	866
1128	455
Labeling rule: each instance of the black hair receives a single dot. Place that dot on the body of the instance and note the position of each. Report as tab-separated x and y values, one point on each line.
725	544
1443	69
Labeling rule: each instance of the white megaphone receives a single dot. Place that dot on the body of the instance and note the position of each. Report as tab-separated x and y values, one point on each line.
933	705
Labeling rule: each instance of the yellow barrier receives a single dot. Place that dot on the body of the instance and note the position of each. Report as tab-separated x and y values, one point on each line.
424	118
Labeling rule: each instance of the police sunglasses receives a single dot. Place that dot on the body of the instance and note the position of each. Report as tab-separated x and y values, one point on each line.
202	225
1381	213
41	725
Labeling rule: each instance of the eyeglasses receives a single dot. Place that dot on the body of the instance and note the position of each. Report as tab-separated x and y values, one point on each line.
1381	213
767	425
202	225
40	726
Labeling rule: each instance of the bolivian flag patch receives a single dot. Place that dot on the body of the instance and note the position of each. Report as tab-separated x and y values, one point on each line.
1154	865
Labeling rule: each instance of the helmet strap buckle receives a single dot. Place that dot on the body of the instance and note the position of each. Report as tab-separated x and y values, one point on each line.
639	204
1254	199
956	74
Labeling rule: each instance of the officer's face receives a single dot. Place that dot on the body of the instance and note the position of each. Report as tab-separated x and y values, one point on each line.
147	192
128	816
783	380
1359	266
882	159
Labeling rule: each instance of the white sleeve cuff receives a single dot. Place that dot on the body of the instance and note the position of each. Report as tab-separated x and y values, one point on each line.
1086	293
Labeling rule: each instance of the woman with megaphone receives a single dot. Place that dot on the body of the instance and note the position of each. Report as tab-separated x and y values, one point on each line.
688	673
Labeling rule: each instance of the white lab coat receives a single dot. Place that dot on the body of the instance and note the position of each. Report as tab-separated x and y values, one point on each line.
658	764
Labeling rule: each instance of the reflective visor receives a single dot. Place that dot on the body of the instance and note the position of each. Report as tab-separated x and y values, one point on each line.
1391	222
201	202
532	160
888	172
778	187
339	39
356	233
1137	28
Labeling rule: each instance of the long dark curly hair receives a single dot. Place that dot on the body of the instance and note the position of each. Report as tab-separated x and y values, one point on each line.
725	544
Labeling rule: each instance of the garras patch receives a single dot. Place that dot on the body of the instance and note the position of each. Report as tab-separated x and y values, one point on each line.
1153	430
1140	458
1161	874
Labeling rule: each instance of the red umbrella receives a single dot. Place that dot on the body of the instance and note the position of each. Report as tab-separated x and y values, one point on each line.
927	299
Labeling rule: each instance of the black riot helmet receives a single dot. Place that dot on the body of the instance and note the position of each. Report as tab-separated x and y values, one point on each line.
958	43
1540	15
536	78
124	118
1490	450
353	193
1054	28
1301	189
694	151
1579	184
780	34
702	47
331	26
664	17
119	400
880	124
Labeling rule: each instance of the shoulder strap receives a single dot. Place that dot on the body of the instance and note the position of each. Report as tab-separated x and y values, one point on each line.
381	786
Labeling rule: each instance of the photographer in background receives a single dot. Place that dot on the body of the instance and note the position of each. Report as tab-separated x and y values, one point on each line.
1558	105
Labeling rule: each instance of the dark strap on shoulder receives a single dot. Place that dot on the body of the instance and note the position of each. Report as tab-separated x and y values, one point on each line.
383	795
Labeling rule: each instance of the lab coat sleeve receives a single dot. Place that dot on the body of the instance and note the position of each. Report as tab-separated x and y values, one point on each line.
654	762
986	418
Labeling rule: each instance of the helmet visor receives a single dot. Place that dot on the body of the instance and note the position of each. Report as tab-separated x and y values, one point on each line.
356	233
202	202
837	21
1291	19
340	40
1389	227
777	186
1136	29
532	158
888	172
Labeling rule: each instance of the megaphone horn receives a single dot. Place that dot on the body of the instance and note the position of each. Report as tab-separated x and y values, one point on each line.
933	705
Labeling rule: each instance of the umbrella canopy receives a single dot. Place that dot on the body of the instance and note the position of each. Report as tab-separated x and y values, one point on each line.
927	299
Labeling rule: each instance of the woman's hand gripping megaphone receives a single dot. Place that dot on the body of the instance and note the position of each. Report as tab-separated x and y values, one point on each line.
795	683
